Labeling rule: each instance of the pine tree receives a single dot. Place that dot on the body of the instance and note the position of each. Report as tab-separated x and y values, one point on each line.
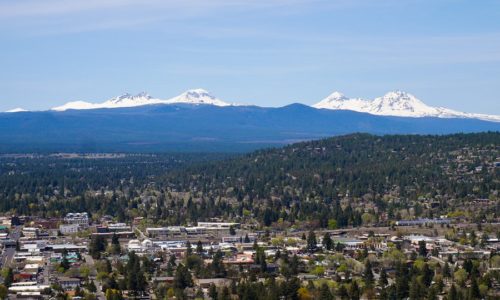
422	248
432	294
453	293
218	266
311	241
474	290
415	289
182	278
212	292
427	275
97	246
382	281
324	293
327	241
368	274
189	248
8	277
115	244
354	291
342	292
199	248
446	270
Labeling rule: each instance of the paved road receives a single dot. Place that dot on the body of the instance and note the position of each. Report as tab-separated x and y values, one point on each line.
90	262
8	253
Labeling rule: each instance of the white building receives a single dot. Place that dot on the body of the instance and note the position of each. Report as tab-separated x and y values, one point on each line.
138	246
218	225
82	219
69	228
30	232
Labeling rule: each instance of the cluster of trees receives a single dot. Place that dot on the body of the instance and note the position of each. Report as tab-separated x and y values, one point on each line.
48	185
304	182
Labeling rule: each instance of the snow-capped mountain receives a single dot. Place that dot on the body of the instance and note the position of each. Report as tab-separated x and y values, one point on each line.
337	100
15	110
397	103
195	97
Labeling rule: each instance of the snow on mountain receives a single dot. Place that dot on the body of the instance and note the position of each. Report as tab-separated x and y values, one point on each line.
76	105
337	100
397	103
15	110
195	97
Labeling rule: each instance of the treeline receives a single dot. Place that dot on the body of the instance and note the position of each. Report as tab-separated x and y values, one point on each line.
306	181
47	183
337	182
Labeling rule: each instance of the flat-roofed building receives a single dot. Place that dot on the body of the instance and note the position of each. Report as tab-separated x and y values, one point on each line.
218	225
67	229
30	232
82	219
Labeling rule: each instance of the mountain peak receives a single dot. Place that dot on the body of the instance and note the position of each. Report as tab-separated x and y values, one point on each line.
395	103
194	96
337	96
337	100
197	96
129	97
17	109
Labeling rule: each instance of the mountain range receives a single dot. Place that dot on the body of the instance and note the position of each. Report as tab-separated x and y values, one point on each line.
198	121
395	103
196	96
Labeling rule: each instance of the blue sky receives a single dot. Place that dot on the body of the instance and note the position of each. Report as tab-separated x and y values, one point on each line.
264	52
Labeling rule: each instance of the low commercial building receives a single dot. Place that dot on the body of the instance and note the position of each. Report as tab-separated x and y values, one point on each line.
69	283
82	219
30	232
68	229
218	225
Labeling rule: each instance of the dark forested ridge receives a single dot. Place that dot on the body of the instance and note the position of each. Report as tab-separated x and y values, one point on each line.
357	164
395	175
350	180
195	128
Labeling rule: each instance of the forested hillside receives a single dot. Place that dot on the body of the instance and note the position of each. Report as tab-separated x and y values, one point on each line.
337	182
403	174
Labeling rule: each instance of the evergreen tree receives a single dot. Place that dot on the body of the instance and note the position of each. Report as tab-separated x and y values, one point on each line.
382	281
189	249
368	274
453	293
311	241
65	265
212	292
199	248
474	290
97	246
446	270
432	294
327	241
115	244
217	265
182	278
427	275
8	277
342	292
422	248
415	289
354	291
401	283
324	292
